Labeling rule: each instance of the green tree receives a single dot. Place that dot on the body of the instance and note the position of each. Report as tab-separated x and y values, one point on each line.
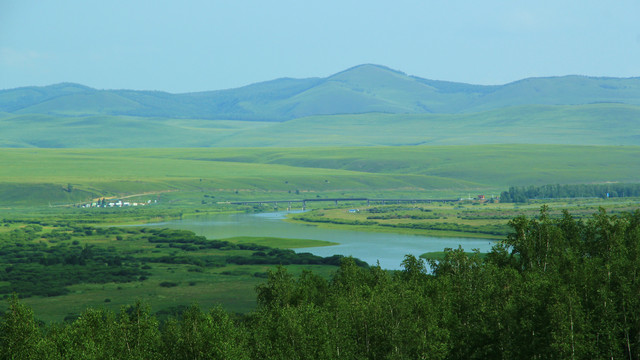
138	332
20	337
199	335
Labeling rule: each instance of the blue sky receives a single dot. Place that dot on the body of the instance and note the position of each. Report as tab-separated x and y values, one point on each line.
184	46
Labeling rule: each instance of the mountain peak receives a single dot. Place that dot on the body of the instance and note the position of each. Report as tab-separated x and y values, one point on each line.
68	85
367	69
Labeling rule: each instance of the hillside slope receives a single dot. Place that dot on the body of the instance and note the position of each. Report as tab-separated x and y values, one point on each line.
361	89
596	124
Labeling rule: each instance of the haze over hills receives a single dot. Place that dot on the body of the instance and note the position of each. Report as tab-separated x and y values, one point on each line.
364	105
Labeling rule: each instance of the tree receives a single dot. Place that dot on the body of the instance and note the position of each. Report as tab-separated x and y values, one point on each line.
20	336
137	332
199	335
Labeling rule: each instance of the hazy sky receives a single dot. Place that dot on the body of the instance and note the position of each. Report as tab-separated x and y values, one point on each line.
184	46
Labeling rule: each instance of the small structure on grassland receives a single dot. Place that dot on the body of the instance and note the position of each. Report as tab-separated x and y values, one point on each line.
117	203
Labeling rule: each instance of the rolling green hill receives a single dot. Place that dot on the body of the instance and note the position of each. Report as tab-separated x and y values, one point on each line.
361	89
367	105
596	124
364	105
108	131
488	165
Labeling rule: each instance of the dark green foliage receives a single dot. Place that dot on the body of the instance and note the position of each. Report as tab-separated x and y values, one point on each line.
188	241
200	335
30	266
522	194
556	288
168	284
101	334
19	333
34	268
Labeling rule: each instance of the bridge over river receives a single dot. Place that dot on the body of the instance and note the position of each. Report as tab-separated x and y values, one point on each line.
337	200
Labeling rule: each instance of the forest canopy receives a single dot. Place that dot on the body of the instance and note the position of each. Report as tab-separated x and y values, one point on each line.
524	193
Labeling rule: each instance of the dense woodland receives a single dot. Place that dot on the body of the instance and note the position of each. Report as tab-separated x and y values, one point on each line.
556	288
524	193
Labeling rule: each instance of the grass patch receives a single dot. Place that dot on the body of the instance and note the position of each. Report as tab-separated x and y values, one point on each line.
281	243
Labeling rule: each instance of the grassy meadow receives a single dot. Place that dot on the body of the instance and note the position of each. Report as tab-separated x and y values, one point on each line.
594	124
468	218
43	176
171	272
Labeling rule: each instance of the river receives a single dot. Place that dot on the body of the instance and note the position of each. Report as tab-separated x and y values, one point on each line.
387	248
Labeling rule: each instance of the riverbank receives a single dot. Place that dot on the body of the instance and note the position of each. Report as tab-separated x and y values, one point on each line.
395	230
465	219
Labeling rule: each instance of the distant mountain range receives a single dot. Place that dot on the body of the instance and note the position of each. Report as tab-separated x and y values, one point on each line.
56	115
361	89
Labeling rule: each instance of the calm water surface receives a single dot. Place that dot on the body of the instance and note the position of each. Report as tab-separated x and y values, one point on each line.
387	248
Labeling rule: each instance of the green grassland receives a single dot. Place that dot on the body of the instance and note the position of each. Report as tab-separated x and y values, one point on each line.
594	124
281	243
590	124
161	267
108	131
474	219
43	176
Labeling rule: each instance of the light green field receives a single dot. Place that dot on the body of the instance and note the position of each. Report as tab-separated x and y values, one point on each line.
235	292
42	176
107	131
472	219
281	243
595	124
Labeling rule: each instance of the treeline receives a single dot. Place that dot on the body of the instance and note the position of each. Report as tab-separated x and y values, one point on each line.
556	288
523	194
